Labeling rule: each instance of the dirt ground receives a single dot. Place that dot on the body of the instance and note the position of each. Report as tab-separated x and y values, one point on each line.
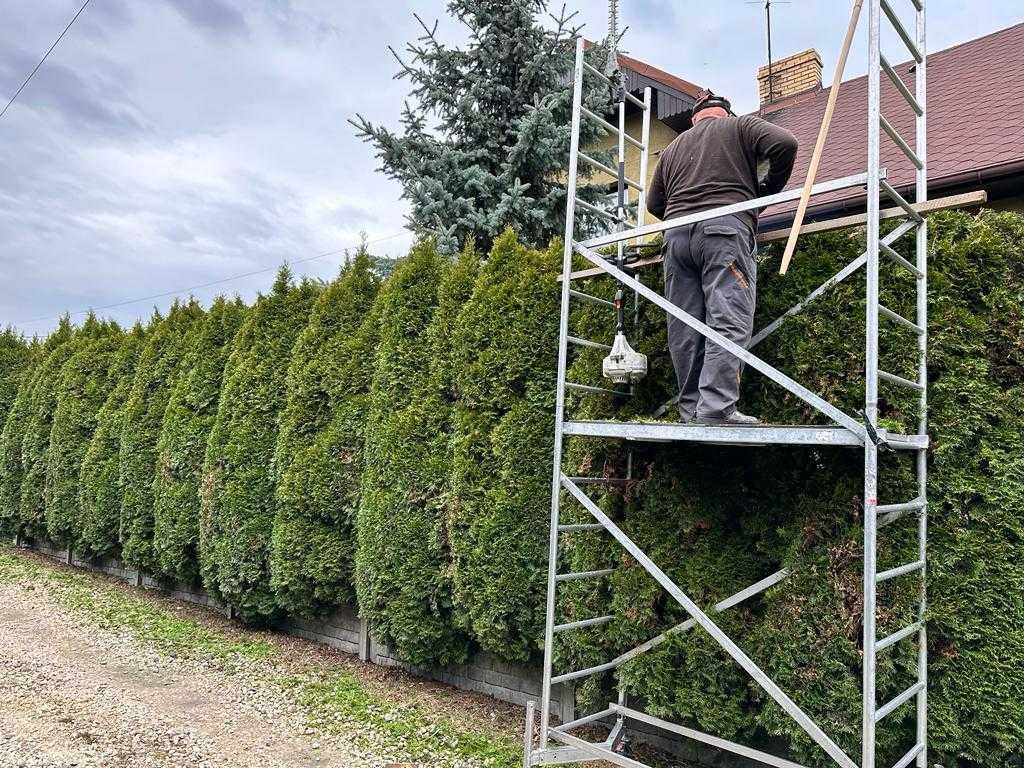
76	694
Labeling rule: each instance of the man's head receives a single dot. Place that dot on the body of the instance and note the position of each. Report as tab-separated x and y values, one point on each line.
710	105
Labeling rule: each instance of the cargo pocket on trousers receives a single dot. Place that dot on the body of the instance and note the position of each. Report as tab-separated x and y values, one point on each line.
729	252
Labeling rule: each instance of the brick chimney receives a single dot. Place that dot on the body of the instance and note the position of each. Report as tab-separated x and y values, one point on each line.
791	75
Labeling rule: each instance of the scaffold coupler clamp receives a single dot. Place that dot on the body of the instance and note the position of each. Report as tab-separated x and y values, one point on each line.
872	432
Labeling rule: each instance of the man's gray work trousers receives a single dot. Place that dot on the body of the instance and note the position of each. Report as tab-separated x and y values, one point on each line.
711	273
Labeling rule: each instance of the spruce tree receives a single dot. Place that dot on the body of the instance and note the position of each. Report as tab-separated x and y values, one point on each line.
100	491
35	444
81	391
402	561
505	343
156	375
238	503
186	426
494	154
318	457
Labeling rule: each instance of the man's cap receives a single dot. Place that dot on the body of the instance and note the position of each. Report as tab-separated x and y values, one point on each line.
706	99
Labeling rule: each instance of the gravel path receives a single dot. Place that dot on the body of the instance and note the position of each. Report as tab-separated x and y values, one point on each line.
72	694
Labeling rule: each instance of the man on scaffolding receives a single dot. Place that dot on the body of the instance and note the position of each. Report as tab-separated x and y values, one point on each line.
711	267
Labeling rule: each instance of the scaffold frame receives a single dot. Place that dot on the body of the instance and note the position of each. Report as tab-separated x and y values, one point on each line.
547	744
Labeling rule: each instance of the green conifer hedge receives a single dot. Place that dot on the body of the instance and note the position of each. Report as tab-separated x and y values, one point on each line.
15	357
187	421
155	377
402	563
35	444
99	486
319	454
81	391
505	342
237	492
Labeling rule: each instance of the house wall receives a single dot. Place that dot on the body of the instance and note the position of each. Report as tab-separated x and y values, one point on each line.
661	137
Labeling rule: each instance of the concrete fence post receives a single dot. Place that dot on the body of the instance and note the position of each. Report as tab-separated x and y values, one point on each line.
364	639
567	702
71	555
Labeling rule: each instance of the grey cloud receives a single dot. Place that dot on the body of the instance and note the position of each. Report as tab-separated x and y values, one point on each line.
214	16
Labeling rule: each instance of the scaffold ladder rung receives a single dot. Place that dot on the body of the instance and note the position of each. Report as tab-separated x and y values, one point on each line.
592	70
578	342
583	672
568	528
903	698
892	378
601	212
596	390
900	200
902	31
908	758
907	506
609	170
610	128
900	86
900	570
888	251
591	298
583	623
577	575
900	142
895	637
900	320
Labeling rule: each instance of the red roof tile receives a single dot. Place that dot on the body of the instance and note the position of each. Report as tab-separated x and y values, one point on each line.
659	75
975	117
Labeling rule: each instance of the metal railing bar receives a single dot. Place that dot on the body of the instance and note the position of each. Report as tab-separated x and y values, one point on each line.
596	390
715	741
583	720
901	570
900	86
576	575
582	673
611	128
845	182
895	637
609	170
592	299
579	527
583	623
900	260
596	750
908	758
729	346
900	320
901	201
769	686
892	378
837	278
903	698
902	31
898	140
733	600
599	481
586	343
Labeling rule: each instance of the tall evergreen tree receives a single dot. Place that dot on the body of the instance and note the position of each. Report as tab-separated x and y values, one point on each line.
505	342
186	426
498	147
16	422
15	357
238	503
81	391
402	561
99	486
319	449
35	445
156	375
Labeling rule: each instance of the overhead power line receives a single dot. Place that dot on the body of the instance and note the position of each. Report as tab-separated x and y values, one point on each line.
220	281
45	55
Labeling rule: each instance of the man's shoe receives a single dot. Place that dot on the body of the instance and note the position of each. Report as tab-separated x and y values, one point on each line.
734	419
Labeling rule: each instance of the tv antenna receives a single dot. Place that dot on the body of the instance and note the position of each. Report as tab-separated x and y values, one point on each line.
767	5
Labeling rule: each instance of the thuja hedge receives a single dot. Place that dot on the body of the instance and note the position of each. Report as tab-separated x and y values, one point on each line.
717	519
155	376
82	388
319	456
99	488
402	575
238	501
187	421
15	357
452	519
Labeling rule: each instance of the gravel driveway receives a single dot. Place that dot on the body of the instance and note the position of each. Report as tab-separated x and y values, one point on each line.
96	675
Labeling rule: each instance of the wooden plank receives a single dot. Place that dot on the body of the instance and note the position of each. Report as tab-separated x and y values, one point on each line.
819	145
965	200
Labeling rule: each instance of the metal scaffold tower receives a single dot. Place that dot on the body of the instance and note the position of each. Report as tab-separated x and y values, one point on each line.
547	744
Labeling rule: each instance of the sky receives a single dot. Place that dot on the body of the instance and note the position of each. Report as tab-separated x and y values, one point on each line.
167	144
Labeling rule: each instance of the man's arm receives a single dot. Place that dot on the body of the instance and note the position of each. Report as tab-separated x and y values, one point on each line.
656	201
776	145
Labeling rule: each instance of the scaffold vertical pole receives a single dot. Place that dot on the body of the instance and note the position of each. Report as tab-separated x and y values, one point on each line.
871	387
921	246
563	332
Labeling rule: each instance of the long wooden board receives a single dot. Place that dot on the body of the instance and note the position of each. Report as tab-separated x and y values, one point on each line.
965	200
